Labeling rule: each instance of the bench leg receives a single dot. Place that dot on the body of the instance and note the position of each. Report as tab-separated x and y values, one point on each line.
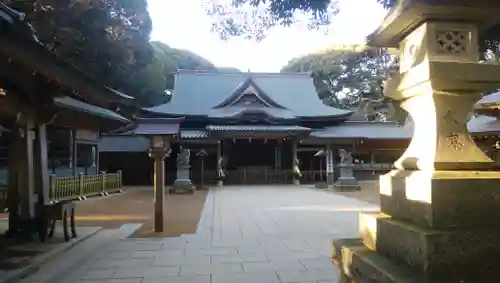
65	225
72	222
52	227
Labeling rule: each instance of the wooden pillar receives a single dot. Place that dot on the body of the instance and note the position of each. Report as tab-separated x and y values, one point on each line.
13	201
220	182
277	157
41	165
26	179
330	176
296	180
372	157
74	154
159	188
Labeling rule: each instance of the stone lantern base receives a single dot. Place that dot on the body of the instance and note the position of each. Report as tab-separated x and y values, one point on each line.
183	181
346	182
437	226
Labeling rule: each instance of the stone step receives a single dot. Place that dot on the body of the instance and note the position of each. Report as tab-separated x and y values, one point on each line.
362	265
58	268
436	253
442	199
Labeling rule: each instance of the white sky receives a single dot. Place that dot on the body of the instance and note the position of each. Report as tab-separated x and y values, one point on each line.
183	24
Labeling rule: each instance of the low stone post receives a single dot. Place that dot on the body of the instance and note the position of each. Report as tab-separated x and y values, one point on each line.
346	180
183	181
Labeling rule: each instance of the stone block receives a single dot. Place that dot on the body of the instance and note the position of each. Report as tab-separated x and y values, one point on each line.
456	253
442	199
368	228
362	265
346	185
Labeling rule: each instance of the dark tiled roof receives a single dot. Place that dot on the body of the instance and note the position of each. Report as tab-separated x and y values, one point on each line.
237	111
483	125
193	134
123	144
81	106
157	126
256	128
366	130
197	93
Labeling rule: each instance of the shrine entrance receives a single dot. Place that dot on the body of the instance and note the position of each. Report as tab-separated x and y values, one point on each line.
257	161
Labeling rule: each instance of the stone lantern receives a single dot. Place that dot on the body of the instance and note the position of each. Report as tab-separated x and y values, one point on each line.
441	206
160	132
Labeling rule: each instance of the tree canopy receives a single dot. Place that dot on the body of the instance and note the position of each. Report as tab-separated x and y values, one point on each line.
344	75
157	78
252	18
109	41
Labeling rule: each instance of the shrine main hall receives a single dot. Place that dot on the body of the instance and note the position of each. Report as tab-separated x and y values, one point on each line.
260	123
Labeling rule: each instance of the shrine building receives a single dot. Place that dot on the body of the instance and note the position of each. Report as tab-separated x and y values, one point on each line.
259	122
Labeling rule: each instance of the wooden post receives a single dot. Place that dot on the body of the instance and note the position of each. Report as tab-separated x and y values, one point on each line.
220	182
330	174
52	188
13	199
102	176
42	166
74	154
159	190
26	173
202	172
296	181
119	184
81	184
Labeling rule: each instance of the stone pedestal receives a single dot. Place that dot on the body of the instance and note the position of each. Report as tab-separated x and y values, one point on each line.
346	181
183	181
440	208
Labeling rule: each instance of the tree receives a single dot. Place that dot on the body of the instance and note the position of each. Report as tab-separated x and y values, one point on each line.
344	75
252	18
156	80
106	39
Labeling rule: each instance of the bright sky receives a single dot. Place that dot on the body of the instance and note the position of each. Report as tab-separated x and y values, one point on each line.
183	24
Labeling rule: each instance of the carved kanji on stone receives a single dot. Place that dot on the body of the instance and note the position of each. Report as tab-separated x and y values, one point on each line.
454	141
449	117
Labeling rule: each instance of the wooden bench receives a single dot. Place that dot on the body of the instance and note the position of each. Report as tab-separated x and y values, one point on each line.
51	213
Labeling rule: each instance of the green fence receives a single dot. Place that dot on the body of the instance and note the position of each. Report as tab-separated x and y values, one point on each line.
74	187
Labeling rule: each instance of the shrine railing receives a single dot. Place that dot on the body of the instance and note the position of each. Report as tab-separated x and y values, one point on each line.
364	171
74	187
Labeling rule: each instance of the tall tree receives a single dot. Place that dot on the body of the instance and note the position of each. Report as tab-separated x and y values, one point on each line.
156	80
106	39
252	18
344	75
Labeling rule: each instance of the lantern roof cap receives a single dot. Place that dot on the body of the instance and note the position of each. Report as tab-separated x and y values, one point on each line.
409	14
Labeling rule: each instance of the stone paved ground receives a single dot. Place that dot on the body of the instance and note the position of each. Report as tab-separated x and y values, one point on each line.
262	234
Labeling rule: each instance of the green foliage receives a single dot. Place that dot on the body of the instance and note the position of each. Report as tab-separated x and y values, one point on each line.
344	75
106	39
252	18
109	41
156	80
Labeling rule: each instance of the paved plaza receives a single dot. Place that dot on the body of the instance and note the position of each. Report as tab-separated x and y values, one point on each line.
261	234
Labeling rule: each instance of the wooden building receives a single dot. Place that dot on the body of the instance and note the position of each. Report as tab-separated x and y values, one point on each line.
51	116
259	122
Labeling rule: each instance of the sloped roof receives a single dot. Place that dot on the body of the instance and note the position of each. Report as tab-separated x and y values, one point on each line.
77	105
483	125
366	130
196	93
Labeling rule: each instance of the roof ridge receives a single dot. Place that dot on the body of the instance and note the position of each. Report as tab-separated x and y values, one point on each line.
215	72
